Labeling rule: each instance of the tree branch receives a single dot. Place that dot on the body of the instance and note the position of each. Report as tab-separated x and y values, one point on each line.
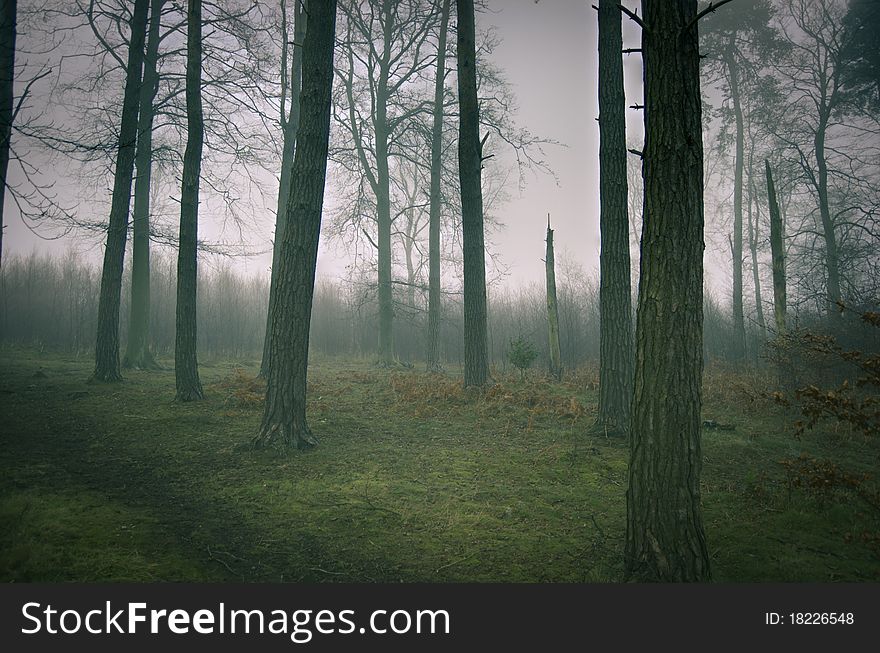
708	10
633	16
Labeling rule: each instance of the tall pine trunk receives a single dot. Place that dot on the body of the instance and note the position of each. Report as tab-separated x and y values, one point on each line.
665	540
476	354
137	352
739	330
434	298
778	253
552	307
7	95
107	341
186	367
615	297
289	128
284	417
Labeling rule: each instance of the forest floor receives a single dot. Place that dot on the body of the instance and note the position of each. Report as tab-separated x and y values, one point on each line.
413	480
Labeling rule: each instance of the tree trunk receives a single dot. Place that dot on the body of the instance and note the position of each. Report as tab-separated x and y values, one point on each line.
289	128
138	353
665	540
476	355
284	417
107	341
552	308
186	368
7	96
832	267
739	331
615	296
409	242
383	200
753	248
778	253
434	299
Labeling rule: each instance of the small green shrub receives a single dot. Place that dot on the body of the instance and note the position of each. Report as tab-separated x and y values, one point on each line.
521	354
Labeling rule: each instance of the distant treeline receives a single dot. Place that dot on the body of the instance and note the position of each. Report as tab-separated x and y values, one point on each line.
52	302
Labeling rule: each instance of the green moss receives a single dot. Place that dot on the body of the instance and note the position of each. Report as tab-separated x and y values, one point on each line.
414	480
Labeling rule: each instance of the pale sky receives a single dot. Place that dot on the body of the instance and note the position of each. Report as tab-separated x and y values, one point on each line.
549	55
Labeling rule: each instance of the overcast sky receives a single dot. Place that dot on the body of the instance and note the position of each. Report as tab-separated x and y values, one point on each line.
549	54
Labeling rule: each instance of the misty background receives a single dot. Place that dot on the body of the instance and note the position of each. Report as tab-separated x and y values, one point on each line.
545	53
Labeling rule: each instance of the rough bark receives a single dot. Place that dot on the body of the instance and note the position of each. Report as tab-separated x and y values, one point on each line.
289	128
778	253
665	540
434	297
7	80
615	295
739	331
552	308
284	417
137	353
476	354
107	341
186	367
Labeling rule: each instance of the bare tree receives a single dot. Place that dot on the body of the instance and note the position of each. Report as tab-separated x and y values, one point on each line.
737	42
7	96
107	346
138	353
823	126
776	244
186	369
291	84
434	298
470	163
552	307
284	418
386	52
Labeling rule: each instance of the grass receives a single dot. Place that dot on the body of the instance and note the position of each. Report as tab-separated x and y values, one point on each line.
414	480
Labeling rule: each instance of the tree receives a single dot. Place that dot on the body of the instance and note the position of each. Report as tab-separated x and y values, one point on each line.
552	308
385	53
186	368
862	22
7	95
107	345
291	84
778	250
521	353
615	298
137	351
815	117
236	88
753	233
737	42
665	540
470	162
434	299
284	417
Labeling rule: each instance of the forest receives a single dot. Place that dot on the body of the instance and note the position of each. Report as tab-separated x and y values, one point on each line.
275	307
